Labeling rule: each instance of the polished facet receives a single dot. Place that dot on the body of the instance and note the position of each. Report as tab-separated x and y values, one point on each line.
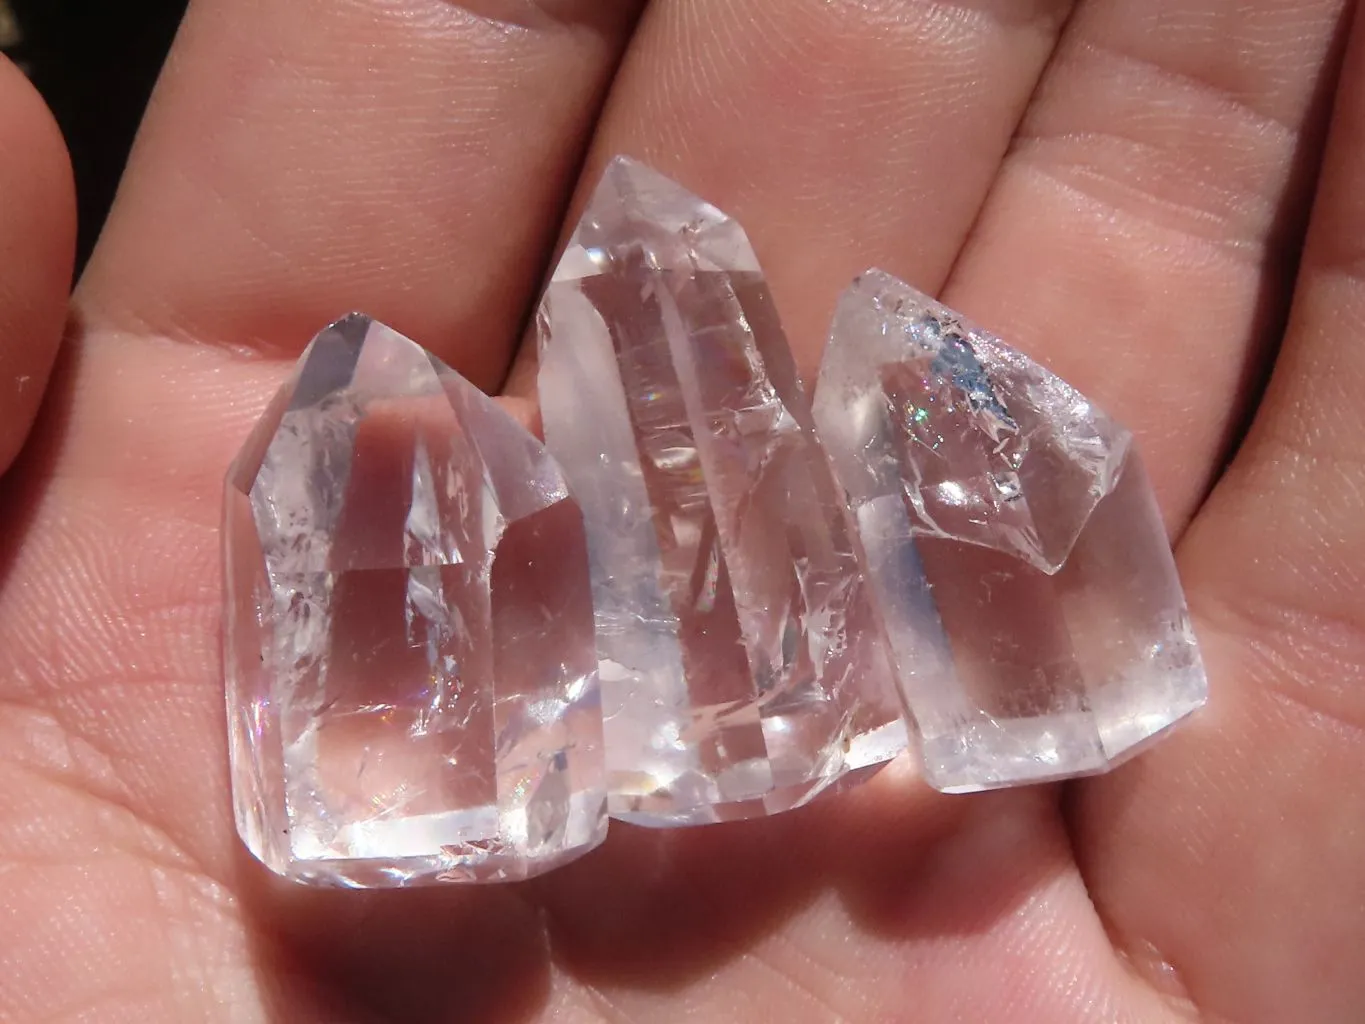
743	669
1013	543
411	679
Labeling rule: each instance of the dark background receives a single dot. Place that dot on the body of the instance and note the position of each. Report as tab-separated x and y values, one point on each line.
95	61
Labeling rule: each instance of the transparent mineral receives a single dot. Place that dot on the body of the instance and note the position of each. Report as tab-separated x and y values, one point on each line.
743	669
410	670
1013	543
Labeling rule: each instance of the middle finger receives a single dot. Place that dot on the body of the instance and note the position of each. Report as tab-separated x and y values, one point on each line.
841	134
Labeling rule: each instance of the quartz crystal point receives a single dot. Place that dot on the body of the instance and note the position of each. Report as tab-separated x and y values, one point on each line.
1013	544
743	668
411	680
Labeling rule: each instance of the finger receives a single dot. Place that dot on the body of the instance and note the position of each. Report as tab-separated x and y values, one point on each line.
302	158
37	239
1141	237
404	157
840	135
1231	861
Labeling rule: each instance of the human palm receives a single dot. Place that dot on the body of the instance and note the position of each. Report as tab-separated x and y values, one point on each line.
1134	191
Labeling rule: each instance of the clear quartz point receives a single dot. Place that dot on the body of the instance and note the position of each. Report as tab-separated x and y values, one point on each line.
1013	543
742	665
411	681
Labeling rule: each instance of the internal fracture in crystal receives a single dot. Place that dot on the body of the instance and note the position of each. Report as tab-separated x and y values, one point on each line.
743	669
1013	542
409	638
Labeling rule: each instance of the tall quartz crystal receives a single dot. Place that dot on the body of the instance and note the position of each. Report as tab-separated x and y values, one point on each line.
1013	543
410	670
743	669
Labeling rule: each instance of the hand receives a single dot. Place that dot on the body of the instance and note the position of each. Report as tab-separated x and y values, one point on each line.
1124	189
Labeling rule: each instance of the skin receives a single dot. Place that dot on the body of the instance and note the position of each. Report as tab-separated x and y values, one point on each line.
1162	200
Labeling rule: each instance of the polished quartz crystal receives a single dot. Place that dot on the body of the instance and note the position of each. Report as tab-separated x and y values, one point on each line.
1013	543
743	669
411	679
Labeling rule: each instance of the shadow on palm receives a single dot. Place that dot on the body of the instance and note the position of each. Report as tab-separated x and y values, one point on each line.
658	910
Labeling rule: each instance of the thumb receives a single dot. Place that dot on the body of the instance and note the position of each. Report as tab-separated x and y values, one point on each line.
37	245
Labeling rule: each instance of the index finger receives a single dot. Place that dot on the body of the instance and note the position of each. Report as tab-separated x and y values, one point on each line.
405	158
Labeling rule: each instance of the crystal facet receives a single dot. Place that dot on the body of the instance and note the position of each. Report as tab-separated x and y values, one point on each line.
1013	542
411	680
742	665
